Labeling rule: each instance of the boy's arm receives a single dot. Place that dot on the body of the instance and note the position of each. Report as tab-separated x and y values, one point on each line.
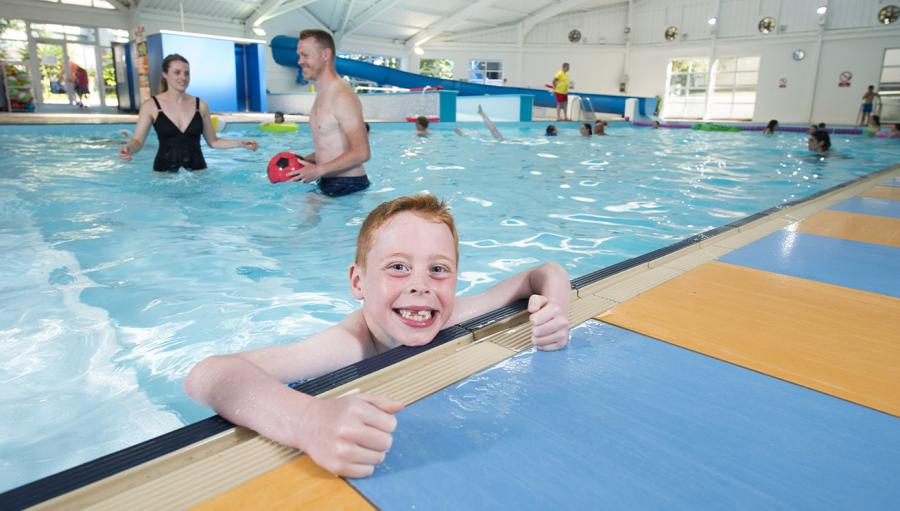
346	436
547	289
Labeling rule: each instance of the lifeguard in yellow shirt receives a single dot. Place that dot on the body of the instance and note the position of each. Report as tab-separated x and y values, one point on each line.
561	86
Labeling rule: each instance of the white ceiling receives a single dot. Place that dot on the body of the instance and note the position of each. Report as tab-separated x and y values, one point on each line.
410	21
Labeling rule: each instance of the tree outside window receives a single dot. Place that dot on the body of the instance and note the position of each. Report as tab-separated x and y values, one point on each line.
436	68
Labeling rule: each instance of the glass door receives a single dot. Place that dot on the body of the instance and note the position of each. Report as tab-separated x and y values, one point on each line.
83	68
51	62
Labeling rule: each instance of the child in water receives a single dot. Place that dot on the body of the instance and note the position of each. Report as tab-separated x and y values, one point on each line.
422	126
405	273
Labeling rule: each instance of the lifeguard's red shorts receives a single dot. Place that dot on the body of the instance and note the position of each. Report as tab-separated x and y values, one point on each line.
561	98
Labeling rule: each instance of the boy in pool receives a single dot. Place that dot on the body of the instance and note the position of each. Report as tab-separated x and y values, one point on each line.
422	126
405	273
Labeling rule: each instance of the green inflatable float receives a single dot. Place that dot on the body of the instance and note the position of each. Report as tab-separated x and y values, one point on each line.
714	127
283	127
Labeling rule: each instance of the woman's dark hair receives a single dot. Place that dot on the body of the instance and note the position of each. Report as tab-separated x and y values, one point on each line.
772	125
876	120
163	86
823	138
587	125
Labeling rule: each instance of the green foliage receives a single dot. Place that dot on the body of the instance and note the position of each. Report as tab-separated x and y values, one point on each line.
50	72
436	68
378	60
109	72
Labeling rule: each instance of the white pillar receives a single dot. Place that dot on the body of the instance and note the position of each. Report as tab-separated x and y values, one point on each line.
710	75
821	42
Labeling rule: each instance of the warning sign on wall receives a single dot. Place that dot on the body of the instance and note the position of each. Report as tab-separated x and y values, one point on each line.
845	78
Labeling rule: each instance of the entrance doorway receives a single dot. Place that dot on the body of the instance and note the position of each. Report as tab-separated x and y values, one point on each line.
83	69
52	63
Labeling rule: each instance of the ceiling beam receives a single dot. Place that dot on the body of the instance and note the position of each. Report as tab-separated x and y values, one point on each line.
443	24
345	18
118	5
318	20
284	8
369	14
530	21
546	12
478	32
264	9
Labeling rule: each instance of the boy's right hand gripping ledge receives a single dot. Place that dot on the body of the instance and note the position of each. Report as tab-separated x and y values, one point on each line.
348	436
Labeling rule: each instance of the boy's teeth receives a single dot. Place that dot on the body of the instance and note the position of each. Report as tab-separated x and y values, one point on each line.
423	315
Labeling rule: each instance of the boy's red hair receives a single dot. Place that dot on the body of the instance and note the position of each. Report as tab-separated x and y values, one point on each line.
424	206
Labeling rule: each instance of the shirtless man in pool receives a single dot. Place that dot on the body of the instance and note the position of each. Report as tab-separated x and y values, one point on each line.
338	131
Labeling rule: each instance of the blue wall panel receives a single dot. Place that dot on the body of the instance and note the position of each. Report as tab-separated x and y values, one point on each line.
256	77
240	73
213	74
154	62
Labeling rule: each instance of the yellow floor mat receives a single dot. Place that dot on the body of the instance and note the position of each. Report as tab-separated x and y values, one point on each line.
837	340
300	484
853	226
883	192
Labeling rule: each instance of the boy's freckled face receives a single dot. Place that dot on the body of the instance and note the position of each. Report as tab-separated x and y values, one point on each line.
409	283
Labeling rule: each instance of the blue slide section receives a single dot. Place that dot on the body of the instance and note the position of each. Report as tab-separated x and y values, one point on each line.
284	52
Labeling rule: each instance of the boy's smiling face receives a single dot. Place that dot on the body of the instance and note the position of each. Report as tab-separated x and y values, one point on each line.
408	285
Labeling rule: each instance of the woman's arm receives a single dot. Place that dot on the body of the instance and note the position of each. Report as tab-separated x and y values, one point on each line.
145	119
209	133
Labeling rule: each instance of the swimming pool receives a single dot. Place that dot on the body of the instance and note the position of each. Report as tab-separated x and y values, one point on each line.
116	280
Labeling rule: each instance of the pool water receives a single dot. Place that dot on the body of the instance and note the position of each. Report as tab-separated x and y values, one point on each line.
116	280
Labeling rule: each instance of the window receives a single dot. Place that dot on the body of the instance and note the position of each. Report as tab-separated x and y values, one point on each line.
98	4
15	81
67	32
889	87
730	92
686	88
733	88
363	86
13	40
378	60
436	68
486	71
58	47
112	35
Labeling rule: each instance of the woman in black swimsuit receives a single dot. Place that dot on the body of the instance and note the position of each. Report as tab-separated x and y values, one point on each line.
179	119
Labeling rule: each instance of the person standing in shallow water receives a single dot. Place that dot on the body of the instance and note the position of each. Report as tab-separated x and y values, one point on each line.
179	119
339	135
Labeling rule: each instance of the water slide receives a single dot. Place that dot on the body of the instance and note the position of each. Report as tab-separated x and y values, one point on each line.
284	51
